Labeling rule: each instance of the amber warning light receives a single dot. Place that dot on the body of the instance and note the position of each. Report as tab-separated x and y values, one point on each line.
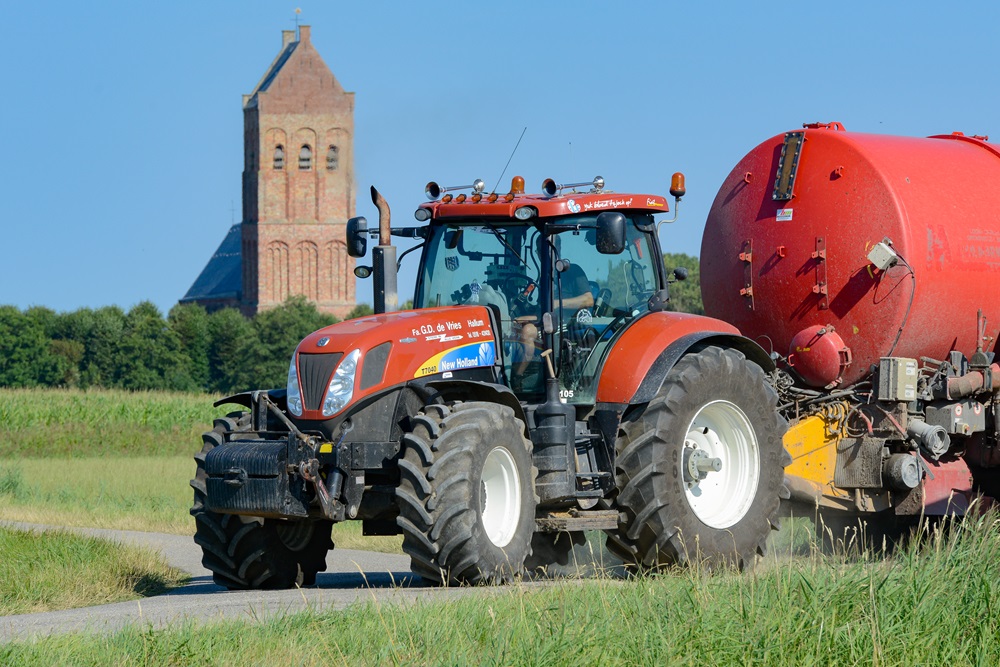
677	185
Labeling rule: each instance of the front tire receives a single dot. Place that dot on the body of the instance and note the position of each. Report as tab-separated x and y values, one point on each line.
700	473
251	552
466	495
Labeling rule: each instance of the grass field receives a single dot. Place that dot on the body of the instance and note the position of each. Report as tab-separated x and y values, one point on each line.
112	459
929	605
40	423
58	570
933	603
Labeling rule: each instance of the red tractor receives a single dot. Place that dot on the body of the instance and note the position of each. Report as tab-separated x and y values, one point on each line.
539	388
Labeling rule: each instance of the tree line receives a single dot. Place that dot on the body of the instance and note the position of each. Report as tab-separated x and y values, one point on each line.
189	349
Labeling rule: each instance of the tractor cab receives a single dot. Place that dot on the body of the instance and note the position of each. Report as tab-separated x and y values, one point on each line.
564	272
553	267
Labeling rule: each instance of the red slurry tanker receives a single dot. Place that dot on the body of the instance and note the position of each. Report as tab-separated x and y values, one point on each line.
863	264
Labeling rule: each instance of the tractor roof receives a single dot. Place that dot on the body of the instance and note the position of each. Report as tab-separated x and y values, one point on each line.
552	202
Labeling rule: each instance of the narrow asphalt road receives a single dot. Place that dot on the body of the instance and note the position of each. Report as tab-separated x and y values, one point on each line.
351	576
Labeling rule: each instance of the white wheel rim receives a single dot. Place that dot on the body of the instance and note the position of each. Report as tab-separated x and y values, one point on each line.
501	497
720	430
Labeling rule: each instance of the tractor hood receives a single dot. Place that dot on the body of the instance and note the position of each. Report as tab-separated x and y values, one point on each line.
394	348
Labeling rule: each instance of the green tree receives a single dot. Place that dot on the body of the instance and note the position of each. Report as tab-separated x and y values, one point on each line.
232	347
68	355
279	331
23	350
360	310
149	355
685	295
189	322
101	332
47	368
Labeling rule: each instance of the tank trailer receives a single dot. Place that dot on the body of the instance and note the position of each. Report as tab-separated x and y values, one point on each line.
862	263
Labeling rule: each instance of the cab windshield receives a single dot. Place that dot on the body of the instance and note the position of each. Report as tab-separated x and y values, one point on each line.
528	270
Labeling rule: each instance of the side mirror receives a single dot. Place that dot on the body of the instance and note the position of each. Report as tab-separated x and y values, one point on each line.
680	273
357	237
610	233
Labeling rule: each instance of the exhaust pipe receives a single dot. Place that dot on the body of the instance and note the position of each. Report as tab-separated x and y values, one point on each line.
386	296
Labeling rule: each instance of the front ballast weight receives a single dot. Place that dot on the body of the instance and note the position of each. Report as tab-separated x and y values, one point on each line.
276	474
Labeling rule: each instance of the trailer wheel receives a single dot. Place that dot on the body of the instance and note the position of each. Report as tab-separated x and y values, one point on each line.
252	552
700	472
466	495
552	553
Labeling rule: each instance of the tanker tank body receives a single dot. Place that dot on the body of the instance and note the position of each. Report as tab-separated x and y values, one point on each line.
867	264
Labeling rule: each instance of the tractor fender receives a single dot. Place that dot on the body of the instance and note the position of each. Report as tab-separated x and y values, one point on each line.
474	390
246	398
645	352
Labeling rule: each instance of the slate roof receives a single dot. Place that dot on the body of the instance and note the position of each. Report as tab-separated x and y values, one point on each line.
222	277
272	72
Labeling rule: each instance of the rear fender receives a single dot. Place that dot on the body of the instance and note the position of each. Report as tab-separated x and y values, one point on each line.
634	370
470	390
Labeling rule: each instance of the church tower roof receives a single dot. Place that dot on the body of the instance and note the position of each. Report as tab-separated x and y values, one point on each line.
298	66
298	192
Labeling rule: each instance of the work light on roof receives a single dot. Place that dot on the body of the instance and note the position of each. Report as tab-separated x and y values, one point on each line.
422	214
525	213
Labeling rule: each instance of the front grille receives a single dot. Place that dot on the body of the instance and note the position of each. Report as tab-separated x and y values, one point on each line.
314	375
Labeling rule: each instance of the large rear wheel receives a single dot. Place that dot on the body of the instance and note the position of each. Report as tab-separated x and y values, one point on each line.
700	472
252	552
466	496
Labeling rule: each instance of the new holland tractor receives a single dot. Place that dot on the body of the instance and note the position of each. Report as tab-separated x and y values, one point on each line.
539	388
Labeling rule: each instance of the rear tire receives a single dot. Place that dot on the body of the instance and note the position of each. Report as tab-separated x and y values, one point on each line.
466	496
252	552
714	405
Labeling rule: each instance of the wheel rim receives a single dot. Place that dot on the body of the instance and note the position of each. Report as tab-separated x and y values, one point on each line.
501	498
721	464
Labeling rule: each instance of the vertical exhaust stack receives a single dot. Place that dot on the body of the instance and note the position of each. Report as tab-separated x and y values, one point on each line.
384	260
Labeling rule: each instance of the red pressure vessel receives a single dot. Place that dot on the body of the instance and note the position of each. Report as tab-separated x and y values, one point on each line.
785	254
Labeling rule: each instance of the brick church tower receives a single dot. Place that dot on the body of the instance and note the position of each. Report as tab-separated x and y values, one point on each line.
298	192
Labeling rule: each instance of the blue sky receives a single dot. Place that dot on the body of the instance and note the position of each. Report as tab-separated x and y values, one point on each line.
123	122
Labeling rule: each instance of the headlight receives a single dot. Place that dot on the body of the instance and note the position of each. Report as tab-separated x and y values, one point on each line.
341	388
294	396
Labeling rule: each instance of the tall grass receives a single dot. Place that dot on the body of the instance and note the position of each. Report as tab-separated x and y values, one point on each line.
57	570
75	423
933	603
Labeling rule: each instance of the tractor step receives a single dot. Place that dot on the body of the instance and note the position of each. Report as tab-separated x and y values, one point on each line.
576	519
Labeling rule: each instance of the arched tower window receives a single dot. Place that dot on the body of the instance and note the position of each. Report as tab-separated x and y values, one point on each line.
279	157
332	158
305	157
